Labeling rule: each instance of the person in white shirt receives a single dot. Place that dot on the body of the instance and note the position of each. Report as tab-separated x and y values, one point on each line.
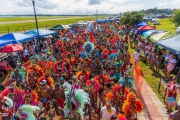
172	63
107	111
137	56
167	57
25	54
146	51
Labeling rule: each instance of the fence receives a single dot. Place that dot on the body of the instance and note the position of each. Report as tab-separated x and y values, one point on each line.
145	95
24	28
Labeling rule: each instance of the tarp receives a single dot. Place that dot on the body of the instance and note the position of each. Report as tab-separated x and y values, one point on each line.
149	33
4	43
145	28
58	27
16	38
42	33
172	44
141	24
158	36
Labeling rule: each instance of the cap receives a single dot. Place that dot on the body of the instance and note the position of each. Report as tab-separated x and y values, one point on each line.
43	82
61	79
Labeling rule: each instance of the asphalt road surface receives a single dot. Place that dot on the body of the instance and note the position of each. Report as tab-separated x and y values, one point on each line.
28	21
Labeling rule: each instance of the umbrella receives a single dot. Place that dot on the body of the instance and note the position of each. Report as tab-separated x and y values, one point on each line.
11	48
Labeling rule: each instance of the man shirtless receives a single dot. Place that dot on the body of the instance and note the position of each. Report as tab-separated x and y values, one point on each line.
45	92
58	95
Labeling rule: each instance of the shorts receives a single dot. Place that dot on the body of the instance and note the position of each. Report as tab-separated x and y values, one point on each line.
146	54
136	61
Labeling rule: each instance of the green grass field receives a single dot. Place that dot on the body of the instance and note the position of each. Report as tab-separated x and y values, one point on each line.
166	24
45	24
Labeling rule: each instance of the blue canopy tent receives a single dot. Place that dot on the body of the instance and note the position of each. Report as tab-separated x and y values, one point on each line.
172	44
15	38
100	21
141	24
149	33
42	33
4	43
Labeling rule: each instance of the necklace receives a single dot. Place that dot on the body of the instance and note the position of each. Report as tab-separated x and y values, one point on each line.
109	110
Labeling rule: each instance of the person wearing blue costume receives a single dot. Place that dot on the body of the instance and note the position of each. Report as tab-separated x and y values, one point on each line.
83	55
117	74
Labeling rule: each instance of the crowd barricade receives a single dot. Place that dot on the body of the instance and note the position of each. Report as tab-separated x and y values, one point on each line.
163	87
145	95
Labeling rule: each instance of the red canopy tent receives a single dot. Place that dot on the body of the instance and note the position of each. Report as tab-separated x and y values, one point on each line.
11	48
146	28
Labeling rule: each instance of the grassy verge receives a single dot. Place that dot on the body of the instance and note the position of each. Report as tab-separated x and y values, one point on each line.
46	24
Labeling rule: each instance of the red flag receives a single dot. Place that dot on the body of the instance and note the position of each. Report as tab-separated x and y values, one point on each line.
91	37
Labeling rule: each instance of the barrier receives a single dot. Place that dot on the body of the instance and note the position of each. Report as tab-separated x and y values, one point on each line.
145	95
164	85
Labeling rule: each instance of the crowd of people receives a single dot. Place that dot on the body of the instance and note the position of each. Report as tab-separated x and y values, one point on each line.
78	74
75	75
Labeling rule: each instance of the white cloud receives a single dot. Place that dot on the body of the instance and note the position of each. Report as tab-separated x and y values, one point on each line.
81	6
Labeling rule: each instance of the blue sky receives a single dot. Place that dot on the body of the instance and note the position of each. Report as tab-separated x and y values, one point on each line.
82	6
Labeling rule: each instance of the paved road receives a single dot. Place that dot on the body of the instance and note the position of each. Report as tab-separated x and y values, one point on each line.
28	21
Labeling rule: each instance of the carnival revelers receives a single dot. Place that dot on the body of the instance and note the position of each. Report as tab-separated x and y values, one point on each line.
45	92
176	114
172	93
58	95
53	111
11	92
107	111
132	106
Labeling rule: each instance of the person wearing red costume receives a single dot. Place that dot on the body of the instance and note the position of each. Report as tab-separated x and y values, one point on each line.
132	106
58	95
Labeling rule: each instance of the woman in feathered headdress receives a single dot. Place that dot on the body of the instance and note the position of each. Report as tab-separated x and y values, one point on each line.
11	92
132	106
88	47
119	94
93	89
53	111
127	82
50	81
83	76
75	101
36	69
105	53
29	96
60	45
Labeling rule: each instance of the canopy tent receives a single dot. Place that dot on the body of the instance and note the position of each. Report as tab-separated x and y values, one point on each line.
171	44
11	48
141	24
58	27
15	38
100	21
156	19
145	28
149	33
4	43
158	36
66	27
42	33
81	23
